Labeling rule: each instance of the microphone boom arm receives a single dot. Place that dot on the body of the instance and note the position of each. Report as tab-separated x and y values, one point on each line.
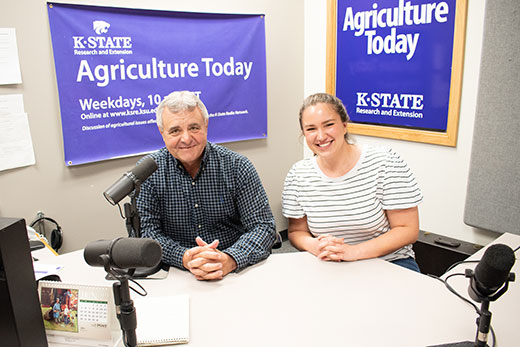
133	228
133	224
125	310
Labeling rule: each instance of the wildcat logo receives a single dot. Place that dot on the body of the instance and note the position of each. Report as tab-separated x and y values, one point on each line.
100	27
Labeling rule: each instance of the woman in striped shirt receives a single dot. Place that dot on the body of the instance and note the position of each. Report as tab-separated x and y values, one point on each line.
349	202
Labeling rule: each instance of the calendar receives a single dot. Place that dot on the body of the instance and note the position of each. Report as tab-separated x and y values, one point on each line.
78	314
94	311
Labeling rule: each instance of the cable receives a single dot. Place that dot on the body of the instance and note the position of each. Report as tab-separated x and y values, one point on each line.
120	211
460	262
126	275
143	293
468	262
451	289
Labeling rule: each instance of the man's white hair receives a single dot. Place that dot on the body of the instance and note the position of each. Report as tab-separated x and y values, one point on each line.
180	101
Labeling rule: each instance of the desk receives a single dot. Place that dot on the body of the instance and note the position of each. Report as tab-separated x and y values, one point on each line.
293	299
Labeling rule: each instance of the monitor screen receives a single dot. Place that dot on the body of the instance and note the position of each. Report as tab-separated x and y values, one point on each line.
21	322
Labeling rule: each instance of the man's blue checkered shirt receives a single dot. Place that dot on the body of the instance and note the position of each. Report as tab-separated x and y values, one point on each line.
225	201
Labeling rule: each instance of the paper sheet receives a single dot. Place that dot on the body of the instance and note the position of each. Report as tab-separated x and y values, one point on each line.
9	63
16	147
162	321
42	270
11	103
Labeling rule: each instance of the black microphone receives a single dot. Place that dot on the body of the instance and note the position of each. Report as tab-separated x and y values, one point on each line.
491	272
124	253
126	184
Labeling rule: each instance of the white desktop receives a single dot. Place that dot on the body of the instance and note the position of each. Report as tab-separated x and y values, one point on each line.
294	299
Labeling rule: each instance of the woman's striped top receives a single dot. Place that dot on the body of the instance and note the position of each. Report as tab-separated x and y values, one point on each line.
352	206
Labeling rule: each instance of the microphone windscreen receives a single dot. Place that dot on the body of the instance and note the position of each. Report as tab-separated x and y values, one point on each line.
144	169
493	269
93	251
124	186
128	253
117	191
124	253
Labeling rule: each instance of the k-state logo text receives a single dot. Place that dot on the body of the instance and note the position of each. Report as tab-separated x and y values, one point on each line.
81	42
102	42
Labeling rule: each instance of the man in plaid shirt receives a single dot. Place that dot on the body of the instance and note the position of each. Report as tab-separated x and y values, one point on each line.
205	204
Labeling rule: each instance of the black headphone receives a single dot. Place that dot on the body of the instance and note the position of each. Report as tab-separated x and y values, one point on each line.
56	233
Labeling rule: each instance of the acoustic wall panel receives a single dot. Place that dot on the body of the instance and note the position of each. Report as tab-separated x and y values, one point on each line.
493	193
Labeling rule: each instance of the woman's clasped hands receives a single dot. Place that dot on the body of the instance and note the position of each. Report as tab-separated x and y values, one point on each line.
330	248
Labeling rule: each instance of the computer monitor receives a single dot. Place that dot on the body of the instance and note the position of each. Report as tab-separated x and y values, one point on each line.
21	322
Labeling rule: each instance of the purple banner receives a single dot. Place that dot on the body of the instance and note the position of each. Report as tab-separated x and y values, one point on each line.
115	65
394	60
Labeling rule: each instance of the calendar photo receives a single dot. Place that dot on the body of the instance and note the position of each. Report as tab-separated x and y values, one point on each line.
60	308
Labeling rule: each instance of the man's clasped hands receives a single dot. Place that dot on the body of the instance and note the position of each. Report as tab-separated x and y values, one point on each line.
206	262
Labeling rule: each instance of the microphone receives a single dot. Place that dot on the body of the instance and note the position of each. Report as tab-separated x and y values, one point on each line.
126	184
491	272
124	253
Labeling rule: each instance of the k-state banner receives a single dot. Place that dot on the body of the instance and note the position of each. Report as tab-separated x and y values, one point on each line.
115	65
394	61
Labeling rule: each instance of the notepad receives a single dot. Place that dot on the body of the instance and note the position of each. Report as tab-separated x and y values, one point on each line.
162	320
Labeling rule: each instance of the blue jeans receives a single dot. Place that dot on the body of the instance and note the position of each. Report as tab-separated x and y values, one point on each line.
408	263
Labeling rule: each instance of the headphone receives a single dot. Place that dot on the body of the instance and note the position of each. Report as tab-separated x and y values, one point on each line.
56	233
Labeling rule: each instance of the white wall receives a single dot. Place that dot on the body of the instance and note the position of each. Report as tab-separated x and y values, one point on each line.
442	172
73	195
296	42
